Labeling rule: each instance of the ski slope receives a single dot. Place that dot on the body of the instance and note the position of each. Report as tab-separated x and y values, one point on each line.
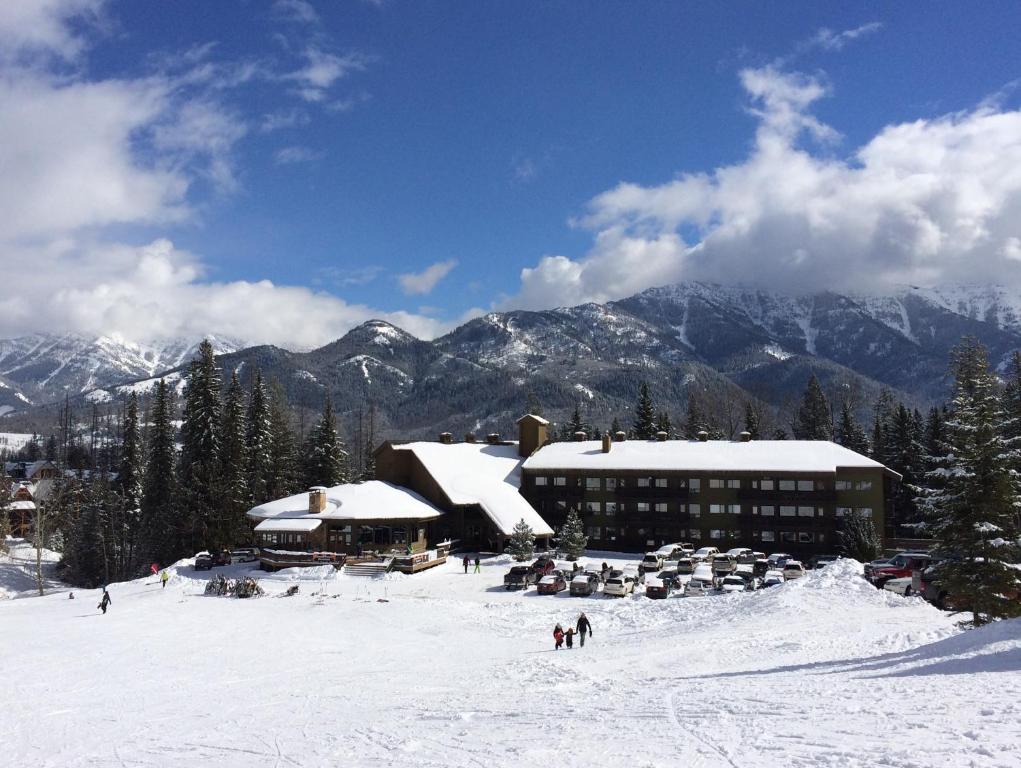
447	669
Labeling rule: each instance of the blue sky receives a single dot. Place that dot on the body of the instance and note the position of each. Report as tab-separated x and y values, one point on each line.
411	159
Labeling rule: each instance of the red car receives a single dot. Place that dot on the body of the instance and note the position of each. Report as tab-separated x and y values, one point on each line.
543	566
901	566
551	583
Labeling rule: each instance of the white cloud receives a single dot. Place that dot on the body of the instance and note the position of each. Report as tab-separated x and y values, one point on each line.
421	283
322	69
829	40
295	154
298	11
40	27
925	202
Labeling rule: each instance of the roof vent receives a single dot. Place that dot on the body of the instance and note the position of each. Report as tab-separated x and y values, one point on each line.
703	436
446	438
661	436
469	437
745	437
607	443
493	438
579	436
619	437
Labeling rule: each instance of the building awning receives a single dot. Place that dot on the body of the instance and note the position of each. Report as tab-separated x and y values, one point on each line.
289	524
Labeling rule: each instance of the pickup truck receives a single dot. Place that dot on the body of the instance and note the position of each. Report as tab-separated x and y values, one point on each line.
901	566
519	577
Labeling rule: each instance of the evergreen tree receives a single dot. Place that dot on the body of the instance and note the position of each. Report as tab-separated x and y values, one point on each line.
615	427
1011	423
813	420
694	419
752	423
663	424
234	495
572	536
850	433
161	517
283	463
259	441
882	416
576	423
325	457
780	434
533	405
89	559
51	448
130	476
859	538
522	541
904	454
644	426
200	453
970	511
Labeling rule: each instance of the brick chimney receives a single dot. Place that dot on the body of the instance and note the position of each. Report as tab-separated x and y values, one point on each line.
703	436
446	438
661	436
316	500
607	443
745	437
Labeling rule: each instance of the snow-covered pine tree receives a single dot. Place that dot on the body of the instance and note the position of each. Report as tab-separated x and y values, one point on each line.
905	455
644	425
859	538
663	424
850	433
283	465
575	424
200	451
752	422
813	420
522	542
882	416
234	495
572	537
694	420
1011	425
130	475
971	511
161	515
259	441
325	457
615	427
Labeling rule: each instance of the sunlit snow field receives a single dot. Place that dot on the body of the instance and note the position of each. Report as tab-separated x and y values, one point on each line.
448	669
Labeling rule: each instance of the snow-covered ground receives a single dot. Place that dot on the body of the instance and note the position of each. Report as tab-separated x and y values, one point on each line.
447	669
18	566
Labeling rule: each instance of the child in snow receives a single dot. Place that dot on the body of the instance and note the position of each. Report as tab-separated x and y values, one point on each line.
558	635
569	636
105	601
478	563
165	578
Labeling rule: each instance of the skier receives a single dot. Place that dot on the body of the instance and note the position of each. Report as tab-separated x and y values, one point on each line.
465	562
583	627
165	578
105	601
478	564
558	635
70	595
569	636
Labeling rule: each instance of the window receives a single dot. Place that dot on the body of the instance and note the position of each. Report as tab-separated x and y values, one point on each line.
682	483
593	506
715	482
768	536
788	485
594	532
842	485
733	509
767	485
733	483
398	535
806	511
695	485
610	508
661	506
806	485
865	511
734	534
643	506
788	511
788	537
561	506
805	537
863	485
643	482
661	482
611	483
541	480
694	510
715	533
768	510
843	511
561	481
592	484
715	509
695	534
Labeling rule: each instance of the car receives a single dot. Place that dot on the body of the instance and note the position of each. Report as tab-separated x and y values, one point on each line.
733	584
203	561
519	577
221	557
244	555
686	566
602	571
900	586
773	578
584	583
821	561
793	569
898	567
670	551
724	565
670	575
543	566
619	585
705	553
760	566
747	574
738	552
697	588
874	565
657	588
703	572
652	561
777	559
551	583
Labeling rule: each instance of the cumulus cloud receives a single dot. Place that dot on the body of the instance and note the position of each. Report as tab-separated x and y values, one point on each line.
930	201
421	283
39	27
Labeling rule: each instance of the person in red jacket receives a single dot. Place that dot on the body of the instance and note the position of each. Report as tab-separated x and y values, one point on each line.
558	635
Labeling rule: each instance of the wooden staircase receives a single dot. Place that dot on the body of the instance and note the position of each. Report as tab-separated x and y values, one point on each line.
368	569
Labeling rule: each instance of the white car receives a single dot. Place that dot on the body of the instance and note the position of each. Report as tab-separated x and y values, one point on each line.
702	572
900	586
733	584
705	553
619	586
793	569
652	562
698	588
738	552
773	578
670	551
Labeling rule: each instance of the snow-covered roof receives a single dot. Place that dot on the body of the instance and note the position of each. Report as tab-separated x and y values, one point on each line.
697	456
371	500
15	505
483	474
289	524
533	417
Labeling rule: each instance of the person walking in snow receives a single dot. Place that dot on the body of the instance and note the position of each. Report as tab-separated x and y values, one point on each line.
569	636
465	562
165	578
105	602
558	636
584	627
478	564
